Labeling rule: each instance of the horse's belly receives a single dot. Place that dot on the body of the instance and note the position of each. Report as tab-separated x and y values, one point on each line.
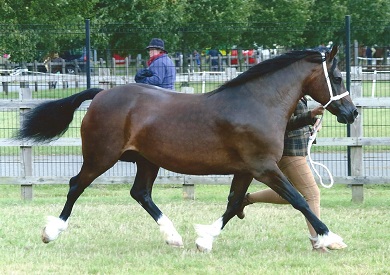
203	160
200	167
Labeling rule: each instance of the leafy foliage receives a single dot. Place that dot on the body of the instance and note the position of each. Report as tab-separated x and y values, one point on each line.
28	27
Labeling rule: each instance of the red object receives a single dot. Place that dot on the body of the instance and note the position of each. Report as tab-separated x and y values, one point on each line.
118	59
234	59
245	54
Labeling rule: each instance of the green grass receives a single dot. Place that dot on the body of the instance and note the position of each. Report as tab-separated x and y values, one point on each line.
109	233
382	89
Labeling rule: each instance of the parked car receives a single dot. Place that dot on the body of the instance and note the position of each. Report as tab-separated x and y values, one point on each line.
75	61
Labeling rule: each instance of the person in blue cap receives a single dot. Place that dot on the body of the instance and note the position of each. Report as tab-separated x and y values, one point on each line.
161	70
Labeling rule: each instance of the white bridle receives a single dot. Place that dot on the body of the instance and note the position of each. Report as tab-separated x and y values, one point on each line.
315	130
332	98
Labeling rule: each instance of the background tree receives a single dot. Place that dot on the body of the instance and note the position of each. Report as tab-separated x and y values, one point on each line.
363	15
132	25
28	27
326	22
218	23
271	18
33	28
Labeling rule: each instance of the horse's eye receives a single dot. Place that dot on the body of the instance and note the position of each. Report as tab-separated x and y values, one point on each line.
337	80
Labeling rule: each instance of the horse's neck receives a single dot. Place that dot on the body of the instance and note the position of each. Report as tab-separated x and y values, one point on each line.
281	89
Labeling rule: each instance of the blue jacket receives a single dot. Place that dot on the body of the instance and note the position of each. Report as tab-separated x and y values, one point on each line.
161	73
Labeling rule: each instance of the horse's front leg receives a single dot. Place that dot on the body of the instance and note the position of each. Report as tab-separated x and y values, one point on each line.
277	181
142	193
208	233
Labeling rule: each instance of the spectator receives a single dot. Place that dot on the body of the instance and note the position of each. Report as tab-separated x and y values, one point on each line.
197	59
370	51
161	71
214	59
55	68
4	58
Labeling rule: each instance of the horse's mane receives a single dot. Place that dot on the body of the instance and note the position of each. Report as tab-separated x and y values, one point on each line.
268	66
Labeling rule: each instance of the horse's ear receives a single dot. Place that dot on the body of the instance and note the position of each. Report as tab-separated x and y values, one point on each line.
334	51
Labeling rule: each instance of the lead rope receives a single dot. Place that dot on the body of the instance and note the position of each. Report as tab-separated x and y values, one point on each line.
315	130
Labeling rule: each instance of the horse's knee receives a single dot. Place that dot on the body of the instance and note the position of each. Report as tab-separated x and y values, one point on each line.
138	195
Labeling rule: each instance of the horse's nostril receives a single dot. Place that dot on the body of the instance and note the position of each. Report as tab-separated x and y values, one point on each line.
355	113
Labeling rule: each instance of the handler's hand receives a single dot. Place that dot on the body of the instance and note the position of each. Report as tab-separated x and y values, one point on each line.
319	110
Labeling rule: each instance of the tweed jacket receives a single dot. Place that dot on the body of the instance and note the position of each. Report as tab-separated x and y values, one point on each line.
298	131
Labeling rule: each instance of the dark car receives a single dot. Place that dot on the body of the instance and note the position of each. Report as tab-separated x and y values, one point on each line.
75	62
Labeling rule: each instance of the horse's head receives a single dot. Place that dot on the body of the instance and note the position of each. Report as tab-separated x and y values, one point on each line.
329	90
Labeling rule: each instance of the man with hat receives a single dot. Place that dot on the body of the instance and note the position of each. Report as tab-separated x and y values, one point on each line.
161	71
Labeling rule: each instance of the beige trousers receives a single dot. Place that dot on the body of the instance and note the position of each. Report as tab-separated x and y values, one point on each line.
296	169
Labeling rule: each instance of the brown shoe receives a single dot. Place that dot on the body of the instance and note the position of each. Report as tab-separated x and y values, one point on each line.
337	246
240	214
333	246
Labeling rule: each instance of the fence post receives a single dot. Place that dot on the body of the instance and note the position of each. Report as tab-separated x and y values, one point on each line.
104	78
188	189
5	84
357	131
127	65
26	151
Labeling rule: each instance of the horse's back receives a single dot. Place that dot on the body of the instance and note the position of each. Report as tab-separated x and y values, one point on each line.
125	106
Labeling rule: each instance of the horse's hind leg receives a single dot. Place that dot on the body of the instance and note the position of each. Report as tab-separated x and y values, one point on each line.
207	233
142	193
77	185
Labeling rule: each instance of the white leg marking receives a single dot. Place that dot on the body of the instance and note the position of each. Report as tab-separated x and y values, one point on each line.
171	236
328	240
53	228
207	234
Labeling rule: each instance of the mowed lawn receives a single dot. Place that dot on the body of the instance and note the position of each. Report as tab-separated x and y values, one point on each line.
109	233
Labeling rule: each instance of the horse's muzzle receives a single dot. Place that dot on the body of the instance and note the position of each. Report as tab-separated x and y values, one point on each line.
348	118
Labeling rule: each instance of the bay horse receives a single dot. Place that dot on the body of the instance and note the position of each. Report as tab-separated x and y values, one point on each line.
236	129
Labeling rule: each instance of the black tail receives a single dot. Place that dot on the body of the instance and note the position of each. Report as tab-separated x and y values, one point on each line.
51	119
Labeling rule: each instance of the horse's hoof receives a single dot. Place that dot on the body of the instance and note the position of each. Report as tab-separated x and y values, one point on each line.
327	240
53	229
204	244
45	238
177	243
175	240
172	238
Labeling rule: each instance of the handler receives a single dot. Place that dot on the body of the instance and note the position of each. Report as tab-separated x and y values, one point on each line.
294	166
161	71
